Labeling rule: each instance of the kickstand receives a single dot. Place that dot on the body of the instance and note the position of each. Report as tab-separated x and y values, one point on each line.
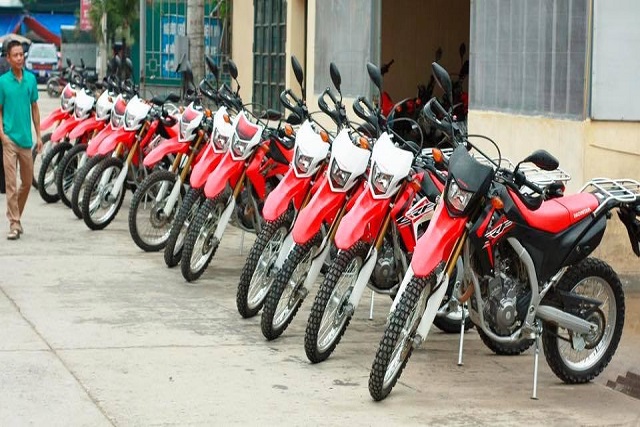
371	306
461	346
536	357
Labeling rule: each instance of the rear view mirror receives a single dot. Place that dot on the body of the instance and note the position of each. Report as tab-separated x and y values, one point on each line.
172	97
68	62
543	159
375	75
438	54
462	51
297	70
444	81
213	68
233	69
335	76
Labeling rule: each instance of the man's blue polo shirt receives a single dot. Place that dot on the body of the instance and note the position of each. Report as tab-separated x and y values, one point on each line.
16	98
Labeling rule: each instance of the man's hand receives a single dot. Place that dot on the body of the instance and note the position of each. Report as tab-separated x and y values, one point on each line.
39	144
5	138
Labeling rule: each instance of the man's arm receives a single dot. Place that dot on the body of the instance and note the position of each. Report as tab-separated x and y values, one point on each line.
3	136
35	116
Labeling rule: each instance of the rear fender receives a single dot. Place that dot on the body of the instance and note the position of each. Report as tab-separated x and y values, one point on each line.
111	141
207	162
324	205
87	126
437	243
228	172
290	190
55	116
364	217
64	128
170	146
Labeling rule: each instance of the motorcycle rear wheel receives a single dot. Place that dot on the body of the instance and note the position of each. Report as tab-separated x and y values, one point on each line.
284	298
596	280
257	275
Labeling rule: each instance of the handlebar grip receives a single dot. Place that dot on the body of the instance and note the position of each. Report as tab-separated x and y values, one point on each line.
284	98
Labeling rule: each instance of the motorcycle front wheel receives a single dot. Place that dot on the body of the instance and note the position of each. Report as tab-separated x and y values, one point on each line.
37	157
257	274
79	183
99	206
185	216
67	170
47	174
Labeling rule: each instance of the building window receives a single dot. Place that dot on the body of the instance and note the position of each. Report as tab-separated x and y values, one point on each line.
344	36
270	31
529	57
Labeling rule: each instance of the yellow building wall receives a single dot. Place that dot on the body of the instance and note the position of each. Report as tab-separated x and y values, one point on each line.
585	149
242	45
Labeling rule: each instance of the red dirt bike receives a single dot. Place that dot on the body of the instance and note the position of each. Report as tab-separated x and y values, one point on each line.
283	204
249	170
212	154
145	124
527	270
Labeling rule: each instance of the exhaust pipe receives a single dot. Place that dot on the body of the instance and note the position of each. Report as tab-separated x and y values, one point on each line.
565	320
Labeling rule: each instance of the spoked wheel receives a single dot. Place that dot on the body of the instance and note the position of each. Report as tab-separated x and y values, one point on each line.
396	345
257	273
99	206
79	184
149	225
330	314
200	245
47	145
178	231
54	88
287	291
578	358
47	174
72	161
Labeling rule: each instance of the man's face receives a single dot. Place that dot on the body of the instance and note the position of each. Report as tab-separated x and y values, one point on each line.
16	57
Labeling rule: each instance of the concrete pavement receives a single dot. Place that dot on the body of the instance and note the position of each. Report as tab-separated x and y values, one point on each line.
97	332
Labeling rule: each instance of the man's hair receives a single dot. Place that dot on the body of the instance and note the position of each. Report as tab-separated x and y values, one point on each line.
12	44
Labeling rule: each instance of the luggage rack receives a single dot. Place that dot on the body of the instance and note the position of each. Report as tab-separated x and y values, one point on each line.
543	177
622	190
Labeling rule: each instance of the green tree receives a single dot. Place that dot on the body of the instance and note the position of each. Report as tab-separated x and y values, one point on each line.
121	14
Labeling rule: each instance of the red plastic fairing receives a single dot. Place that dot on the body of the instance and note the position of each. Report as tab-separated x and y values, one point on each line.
556	215
170	146
94	145
290	189
110	142
365	217
87	126
254	173
228	172
437	243
64	128
208	161
324	205
54	117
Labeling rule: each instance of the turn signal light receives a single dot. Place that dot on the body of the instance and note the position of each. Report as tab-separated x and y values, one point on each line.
437	155
226	118
324	135
288	130
363	142
497	202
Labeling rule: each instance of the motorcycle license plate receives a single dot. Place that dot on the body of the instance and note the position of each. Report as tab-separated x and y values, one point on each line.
42	73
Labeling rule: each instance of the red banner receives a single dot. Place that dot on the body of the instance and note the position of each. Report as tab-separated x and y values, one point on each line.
85	22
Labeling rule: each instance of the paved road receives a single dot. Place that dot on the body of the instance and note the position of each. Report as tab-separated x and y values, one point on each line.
96	332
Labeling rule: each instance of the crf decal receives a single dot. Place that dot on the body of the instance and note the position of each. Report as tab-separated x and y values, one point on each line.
417	211
498	230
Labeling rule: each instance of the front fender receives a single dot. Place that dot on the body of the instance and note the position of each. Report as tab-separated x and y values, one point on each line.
87	126
170	146
290	189
367	213
111	141
228	172
324	204
203	167
437	243
96	141
64	128
54	117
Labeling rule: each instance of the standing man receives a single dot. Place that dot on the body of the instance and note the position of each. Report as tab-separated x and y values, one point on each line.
18	107
4	67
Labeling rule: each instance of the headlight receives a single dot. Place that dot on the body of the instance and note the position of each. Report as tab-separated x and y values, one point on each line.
380	181
238	146
220	142
302	162
102	111
129	120
338	176
116	120
66	103
29	66
458	198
